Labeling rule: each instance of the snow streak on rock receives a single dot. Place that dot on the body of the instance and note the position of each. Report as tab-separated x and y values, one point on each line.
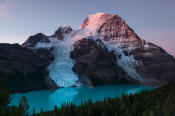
127	63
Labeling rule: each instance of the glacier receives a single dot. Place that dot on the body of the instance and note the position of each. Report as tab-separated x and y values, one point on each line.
60	70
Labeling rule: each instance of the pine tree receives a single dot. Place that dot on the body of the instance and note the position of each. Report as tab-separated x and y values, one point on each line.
23	106
55	113
42	112
34	113
4	97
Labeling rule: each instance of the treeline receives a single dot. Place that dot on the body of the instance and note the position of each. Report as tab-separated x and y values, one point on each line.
158	102
5	110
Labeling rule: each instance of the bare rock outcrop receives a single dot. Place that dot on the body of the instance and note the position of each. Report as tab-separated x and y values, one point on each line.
95	65
23	69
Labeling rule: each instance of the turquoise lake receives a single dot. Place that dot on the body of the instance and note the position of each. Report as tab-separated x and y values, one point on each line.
47	99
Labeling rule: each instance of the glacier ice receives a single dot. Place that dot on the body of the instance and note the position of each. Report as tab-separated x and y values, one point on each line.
60	70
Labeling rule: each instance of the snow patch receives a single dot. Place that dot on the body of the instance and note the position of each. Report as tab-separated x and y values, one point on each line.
127	63
94	21
53	42
146	45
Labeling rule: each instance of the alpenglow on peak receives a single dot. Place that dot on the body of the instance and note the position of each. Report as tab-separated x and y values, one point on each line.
94	21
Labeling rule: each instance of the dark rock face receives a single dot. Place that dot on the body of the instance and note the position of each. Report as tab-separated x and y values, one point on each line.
117	32
95	65
59	33
156	65
33	40
23	69
45	54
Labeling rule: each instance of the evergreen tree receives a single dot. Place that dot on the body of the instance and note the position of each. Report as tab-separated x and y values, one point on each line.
34	113
42	112
4	98
55	113
23	106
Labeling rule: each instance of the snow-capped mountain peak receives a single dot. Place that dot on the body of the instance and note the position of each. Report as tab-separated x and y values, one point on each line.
94	21
102	33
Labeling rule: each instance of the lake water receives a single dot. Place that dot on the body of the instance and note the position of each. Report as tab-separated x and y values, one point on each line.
47	99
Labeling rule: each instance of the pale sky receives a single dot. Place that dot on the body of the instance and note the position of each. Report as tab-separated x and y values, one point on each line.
152	20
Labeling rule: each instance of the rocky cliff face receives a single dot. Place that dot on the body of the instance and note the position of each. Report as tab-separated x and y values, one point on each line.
95	65
61	31
23	69
114	30
32	41
156	66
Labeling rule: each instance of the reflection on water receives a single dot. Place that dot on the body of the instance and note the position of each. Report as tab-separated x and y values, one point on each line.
49	98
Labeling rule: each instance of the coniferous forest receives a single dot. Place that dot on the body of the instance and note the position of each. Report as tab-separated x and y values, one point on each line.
158	102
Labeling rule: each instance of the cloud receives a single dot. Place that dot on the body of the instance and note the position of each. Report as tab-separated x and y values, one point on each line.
3	9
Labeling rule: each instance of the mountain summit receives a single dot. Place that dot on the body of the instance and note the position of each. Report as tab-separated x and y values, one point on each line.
120	50
104	50
151	59
114	29
95	21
